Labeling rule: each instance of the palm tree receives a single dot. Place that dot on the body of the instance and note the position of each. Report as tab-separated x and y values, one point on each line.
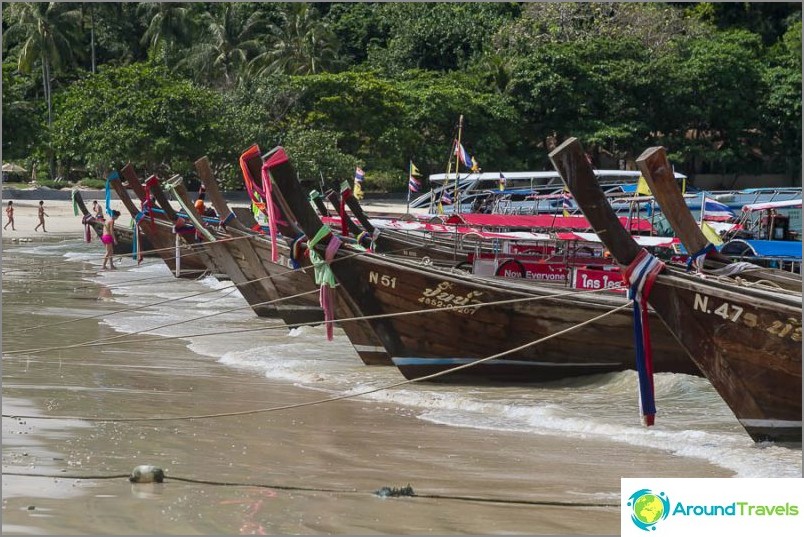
168	24
300	44
49	33
224	44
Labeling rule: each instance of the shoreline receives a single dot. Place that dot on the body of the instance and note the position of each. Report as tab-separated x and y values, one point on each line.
333	457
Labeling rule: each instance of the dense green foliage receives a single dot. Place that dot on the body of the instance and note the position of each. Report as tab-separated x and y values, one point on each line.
92	86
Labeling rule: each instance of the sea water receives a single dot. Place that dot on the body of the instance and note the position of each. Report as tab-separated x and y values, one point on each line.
215	321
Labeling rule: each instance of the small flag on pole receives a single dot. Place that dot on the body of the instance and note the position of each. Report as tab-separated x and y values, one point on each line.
716	211
414	184
358	189
642	187
463	154
446	198
502	181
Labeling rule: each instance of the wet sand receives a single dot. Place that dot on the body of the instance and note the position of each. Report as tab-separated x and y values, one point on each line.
309	470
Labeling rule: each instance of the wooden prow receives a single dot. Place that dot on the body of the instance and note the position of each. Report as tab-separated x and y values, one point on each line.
570	162
133	182
658	173
218	201
161	198
122	193
354	204
335	200
291	195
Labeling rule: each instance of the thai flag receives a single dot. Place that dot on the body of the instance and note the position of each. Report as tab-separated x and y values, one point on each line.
714	210
359	175
414	184
446	199
463	154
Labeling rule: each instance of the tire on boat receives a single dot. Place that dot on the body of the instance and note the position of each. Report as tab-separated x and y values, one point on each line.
511	265
465	266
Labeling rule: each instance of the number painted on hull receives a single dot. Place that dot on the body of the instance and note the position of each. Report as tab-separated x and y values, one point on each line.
791	327
382	279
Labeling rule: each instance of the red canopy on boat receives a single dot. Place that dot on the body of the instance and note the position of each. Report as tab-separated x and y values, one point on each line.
542	221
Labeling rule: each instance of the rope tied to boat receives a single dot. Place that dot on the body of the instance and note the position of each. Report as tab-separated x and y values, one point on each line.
697	258
324	275
640	276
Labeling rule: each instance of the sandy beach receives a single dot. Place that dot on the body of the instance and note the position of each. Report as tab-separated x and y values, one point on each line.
309	470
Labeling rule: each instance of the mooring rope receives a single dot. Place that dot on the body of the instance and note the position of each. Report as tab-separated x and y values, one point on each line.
233	287
337	397
176	323
298	488
298	325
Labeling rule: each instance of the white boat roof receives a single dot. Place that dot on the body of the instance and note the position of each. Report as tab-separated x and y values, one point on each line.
771	205
495	176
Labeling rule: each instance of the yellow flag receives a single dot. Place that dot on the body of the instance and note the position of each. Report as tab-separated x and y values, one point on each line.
358	190
710	234
414	170
642	187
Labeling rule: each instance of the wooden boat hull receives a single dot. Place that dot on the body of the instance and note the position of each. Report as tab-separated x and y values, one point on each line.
748	347
433	341
159	233
409	296
746	341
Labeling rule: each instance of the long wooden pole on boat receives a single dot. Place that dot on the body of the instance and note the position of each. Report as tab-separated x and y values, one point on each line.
455	195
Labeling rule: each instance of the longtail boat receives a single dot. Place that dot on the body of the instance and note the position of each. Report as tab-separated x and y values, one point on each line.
125	236
746	341
184	264
433	320
658	174
254	255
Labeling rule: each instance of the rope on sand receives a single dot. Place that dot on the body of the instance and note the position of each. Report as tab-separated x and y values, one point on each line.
378	493
337	397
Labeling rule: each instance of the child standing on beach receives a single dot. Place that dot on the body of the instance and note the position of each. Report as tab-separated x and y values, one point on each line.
42	215
10	215
108	239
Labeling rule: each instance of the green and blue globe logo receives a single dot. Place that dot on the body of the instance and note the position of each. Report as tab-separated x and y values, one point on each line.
648	508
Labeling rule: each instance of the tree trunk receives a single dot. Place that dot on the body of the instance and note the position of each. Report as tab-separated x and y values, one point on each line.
92	34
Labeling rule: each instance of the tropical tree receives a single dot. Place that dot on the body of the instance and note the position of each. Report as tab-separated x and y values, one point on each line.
168	24
299	44
139	113
223	48
48	32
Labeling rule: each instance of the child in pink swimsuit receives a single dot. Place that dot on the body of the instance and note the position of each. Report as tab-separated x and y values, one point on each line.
109	240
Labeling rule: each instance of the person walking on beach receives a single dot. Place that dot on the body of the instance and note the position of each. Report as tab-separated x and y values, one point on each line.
10	215
42	215
109	239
